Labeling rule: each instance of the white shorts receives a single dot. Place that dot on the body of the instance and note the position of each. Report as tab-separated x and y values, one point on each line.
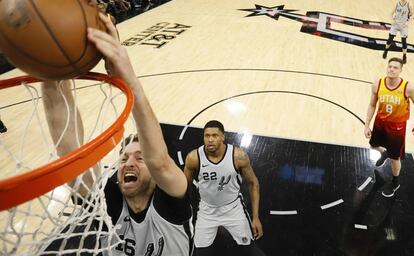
403	29
233	217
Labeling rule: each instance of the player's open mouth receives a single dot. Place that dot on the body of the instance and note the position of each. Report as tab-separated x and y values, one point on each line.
130	177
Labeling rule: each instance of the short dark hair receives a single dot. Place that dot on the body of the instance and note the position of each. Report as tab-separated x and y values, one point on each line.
397	60
128	140
214	124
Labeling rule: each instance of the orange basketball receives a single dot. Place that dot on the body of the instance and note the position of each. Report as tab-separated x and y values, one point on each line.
48	38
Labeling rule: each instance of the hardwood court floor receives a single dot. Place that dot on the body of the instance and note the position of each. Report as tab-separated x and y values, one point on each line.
299	80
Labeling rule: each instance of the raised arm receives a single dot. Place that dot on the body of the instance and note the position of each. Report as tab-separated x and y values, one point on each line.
191	166
165	172
243	164
55	97
371	109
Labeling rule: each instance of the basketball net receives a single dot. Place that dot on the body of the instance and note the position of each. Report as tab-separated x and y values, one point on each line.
52	223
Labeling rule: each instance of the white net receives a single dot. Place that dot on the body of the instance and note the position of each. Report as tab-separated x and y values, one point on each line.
60	222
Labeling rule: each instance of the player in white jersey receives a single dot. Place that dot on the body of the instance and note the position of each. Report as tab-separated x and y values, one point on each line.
401	15
147	197
218	167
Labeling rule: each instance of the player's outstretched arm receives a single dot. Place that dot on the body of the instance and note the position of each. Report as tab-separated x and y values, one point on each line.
57	101
243	164
165	172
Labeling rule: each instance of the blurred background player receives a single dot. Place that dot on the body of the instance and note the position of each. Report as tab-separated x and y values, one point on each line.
388	134
401	15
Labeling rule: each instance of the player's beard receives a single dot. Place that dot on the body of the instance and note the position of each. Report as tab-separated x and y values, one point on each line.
143	187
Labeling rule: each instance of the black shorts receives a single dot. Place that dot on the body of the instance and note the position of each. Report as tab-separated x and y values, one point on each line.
391	136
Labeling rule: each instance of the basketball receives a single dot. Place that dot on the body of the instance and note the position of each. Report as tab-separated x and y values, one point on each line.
48	39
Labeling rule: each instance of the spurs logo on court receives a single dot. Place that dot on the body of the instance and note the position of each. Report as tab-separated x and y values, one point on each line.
320	24
222	183
158	35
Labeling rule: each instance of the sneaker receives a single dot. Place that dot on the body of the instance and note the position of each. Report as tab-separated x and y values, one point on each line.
390	189
381	160
384	55
3	128
404	58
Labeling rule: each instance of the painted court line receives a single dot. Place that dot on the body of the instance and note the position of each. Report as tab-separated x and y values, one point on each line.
326	206
183	132
283	212
180	158
366	182
358	226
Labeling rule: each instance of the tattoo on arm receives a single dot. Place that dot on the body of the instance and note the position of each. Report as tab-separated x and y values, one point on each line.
242	159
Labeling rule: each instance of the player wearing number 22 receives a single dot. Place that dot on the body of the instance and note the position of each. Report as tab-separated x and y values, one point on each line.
388	135
218	168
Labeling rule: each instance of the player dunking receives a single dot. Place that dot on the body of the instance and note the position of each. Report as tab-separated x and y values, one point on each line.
218	167
388	135
147	196
401	15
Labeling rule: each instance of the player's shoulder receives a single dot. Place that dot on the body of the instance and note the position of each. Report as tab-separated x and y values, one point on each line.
239	153
192	157
409	86
193	153
375	85
237	149
377	81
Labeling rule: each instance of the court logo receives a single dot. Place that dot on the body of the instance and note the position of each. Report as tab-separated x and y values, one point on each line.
322	23
158	35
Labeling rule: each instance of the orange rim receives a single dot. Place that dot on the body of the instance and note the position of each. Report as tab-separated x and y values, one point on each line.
24	187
